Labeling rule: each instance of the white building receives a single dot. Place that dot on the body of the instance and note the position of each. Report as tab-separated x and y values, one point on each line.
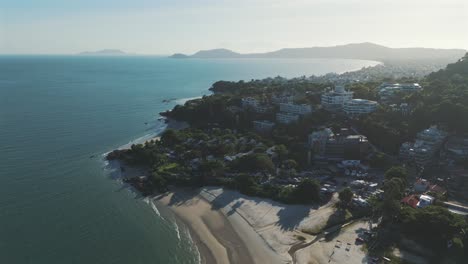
432	136
335	99
263	125
388	90
300	109
318	140
425	200
422	151
286	118
356	107
255	105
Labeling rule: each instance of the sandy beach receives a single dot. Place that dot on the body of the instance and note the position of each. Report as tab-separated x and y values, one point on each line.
229	227
214	235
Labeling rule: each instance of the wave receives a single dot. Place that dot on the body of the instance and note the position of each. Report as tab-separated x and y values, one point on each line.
176	228
193	247
153	206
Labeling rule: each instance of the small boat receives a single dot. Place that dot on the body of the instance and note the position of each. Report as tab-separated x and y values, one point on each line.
92	156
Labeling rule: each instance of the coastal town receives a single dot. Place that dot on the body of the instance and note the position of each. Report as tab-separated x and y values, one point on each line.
378	168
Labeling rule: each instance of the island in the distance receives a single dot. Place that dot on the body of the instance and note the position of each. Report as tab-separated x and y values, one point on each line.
349	168
104	52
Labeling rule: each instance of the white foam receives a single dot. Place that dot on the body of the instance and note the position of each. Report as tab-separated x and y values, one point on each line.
194	247
176	227
153	206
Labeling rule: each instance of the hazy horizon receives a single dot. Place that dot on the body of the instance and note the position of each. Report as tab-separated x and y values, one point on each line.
162	27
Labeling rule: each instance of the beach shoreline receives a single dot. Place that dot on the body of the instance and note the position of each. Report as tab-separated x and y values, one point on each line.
220	236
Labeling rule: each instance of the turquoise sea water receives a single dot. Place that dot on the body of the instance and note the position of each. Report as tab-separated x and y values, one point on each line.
58	205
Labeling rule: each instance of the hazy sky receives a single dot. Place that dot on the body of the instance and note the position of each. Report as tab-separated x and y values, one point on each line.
169	26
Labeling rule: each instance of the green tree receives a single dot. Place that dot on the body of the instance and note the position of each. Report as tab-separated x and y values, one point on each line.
170	138
246	184
290	164
254	163
394	190
397	172
379	160
346	195
281	151
212	169
433	224
158	181
307	191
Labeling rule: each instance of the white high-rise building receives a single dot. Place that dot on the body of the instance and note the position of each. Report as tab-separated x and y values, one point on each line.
335	99
422	151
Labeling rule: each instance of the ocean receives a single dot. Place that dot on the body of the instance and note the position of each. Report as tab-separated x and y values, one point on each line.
60	114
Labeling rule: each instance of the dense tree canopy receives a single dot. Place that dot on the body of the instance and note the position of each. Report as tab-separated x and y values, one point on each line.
254	162
307	191
346	195
397	172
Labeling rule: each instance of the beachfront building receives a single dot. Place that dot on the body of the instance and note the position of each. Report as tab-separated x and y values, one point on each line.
357	107
387	91
286	118
318	140
427	144
334	100
254	105
299	109
263	126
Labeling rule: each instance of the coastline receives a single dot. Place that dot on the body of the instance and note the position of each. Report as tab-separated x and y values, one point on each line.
217	239
226	226
219	236
169	124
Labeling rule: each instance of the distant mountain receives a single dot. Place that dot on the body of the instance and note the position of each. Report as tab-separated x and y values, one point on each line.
110	52
179	56
364	51
216	53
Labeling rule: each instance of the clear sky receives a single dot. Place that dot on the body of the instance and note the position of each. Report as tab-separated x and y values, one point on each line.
169	26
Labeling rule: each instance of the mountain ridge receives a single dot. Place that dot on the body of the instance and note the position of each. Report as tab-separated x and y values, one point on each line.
365	51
